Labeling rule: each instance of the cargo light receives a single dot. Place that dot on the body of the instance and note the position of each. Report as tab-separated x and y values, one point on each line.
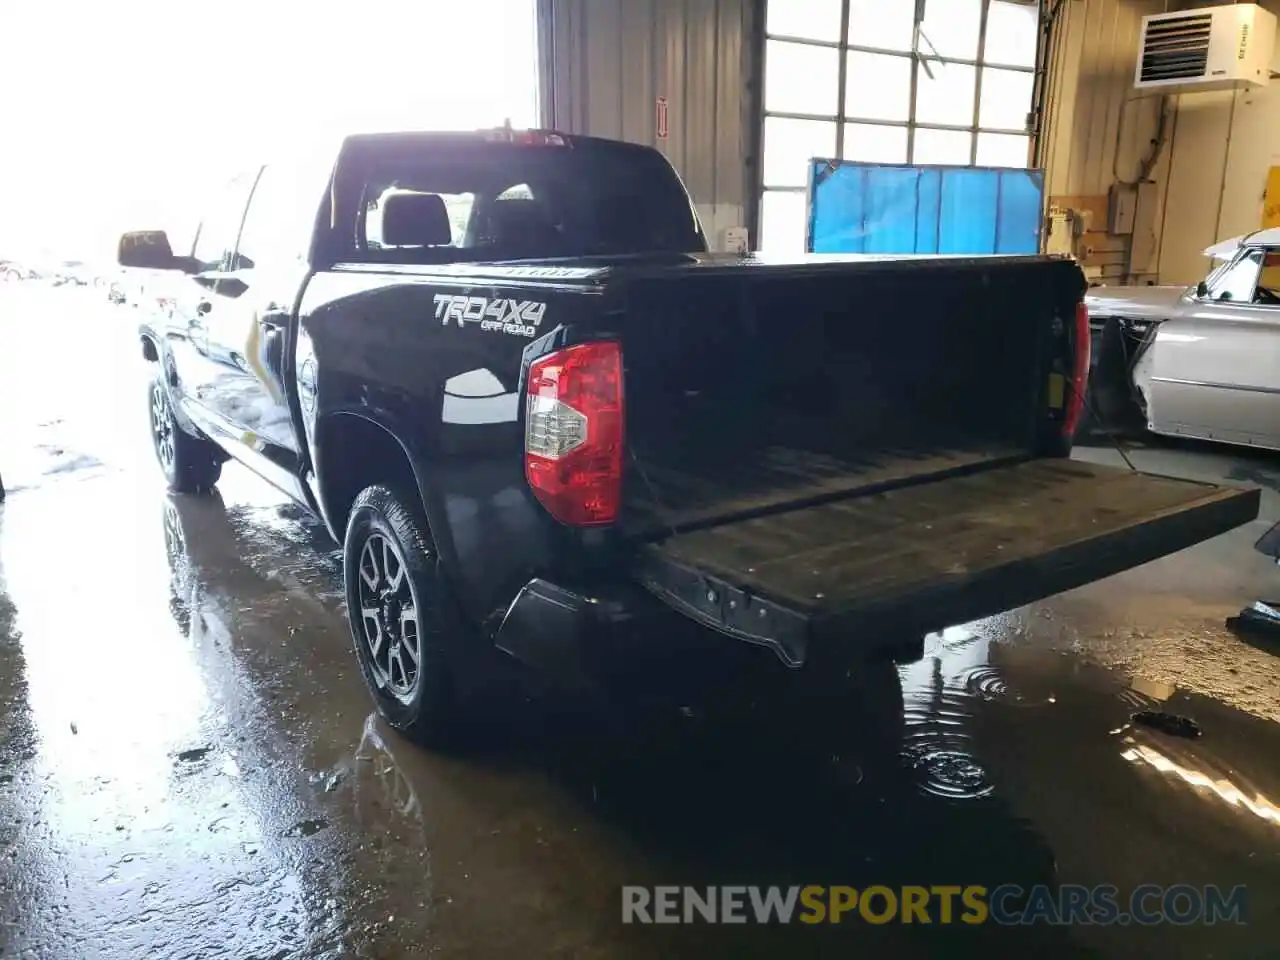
1079	373
527	138
573	437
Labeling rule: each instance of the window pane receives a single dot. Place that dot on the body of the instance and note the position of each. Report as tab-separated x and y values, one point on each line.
1236	281
877	87
873	143
1011	34
1006	99
951	28
1003	150
789	145
611	197
1268	290
948	97
801	78
886	24
811	19
457	206
216	240
942	146
782	226
280	220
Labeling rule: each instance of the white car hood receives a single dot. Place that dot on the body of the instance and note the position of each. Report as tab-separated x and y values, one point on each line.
1145	302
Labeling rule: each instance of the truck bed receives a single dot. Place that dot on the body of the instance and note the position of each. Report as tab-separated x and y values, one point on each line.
786	388
933	554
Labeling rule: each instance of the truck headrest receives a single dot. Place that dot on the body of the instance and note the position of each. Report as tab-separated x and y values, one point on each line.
415	220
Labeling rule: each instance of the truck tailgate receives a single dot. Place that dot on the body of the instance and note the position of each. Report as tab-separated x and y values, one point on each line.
924	557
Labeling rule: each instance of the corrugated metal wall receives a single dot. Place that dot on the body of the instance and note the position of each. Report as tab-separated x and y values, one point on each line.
1098	131
605	63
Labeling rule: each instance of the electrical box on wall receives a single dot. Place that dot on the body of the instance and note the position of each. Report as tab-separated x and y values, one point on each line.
734	240
1122	205
1211	48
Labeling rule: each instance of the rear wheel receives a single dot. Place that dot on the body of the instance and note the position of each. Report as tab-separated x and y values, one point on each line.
401	615
190	464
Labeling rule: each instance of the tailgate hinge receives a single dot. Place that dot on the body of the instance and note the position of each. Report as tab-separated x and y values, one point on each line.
730	609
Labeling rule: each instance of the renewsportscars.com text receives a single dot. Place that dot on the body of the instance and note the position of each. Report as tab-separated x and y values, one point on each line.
1007	905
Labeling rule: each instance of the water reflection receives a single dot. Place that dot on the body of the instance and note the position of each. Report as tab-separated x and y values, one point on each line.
113	696
146	825
1214	783
381	786
938	704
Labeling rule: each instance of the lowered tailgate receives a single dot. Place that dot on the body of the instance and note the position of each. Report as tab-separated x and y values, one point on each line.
928	556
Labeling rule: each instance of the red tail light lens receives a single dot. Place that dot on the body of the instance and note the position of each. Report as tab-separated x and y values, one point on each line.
573	434
1079	372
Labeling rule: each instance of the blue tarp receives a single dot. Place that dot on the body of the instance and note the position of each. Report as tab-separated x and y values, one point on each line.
879	208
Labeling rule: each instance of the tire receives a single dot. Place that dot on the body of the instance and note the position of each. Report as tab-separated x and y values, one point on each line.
391	568
190	464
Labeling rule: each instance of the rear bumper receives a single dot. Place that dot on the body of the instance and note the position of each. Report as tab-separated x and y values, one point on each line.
578	637
996	549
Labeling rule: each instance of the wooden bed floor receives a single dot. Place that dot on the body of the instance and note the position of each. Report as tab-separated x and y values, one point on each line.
662	497
854	551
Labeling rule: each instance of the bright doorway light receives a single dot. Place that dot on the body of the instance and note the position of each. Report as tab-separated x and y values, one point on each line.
116	113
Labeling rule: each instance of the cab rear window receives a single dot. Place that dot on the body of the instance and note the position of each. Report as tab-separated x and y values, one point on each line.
507	201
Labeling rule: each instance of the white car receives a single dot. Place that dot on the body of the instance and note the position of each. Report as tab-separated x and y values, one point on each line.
1201	361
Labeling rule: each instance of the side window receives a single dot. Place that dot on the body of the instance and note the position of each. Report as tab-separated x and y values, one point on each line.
1236	282
281	218
220	226
1268	289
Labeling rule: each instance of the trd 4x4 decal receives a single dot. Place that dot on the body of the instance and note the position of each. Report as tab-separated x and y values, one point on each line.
516	317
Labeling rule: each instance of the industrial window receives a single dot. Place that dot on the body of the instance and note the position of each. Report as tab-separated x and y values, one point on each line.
890	81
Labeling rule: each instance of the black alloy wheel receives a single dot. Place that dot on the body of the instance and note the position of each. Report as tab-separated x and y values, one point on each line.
162	427
389	616
191	464
405	624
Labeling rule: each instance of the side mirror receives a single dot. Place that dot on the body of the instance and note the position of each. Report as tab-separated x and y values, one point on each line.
1202	289
147	250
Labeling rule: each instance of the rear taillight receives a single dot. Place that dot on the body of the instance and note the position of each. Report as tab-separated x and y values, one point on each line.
573	433
1079	373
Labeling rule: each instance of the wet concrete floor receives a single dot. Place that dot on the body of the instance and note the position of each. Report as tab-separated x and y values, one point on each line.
189	765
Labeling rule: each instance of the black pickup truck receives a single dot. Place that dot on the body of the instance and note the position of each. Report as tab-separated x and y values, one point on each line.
541	417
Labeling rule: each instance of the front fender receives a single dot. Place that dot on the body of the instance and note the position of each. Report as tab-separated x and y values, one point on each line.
155	349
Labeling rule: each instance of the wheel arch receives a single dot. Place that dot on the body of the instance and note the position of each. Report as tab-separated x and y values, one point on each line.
353	452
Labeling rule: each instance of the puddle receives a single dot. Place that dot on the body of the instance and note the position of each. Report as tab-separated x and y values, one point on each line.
939	694
379	784
1251	473
307	828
